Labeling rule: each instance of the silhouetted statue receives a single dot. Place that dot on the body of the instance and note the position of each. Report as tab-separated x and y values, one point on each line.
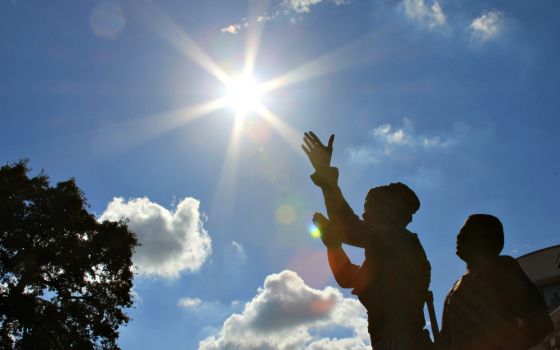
494	305
393	280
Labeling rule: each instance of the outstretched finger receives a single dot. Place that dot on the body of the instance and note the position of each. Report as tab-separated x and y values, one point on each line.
307	151
319	216
309	144
315	138
307	136
320	221
331	140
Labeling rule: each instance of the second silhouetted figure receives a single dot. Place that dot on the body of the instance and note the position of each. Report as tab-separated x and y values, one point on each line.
494	306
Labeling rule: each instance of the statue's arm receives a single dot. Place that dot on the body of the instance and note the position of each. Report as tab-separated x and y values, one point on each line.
444	341
353	231
343	270
528	304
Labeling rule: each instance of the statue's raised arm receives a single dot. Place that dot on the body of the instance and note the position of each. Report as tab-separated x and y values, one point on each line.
326	177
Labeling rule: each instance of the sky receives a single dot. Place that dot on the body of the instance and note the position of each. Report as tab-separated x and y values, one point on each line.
458	99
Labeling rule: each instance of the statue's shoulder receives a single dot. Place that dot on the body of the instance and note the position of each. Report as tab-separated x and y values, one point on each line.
507	263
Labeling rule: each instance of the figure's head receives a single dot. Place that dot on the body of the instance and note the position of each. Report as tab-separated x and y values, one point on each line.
390	204
482	235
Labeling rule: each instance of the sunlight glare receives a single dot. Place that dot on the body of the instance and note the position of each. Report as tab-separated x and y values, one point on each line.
243	95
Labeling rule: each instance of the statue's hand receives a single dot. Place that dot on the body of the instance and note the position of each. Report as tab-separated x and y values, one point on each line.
330	237
319	155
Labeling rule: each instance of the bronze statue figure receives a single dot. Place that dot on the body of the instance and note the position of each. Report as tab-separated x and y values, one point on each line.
392	282
494	305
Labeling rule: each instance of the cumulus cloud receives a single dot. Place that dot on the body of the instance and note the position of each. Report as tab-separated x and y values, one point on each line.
291	9
189	303
337	344
433	16
403	143
170	241
487	26
288	314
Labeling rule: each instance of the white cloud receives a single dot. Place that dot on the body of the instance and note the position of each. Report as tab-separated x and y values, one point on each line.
437	15
232	29
234	263
337	344
300	6
170	241
288	314
291	9
487	26
433	16
387	142
266	18
237	251
189	303
426	177
362	154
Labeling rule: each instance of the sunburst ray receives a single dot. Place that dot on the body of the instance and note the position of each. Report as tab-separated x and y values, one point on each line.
118	138
158	21
290	135
348	56
225	188
254	35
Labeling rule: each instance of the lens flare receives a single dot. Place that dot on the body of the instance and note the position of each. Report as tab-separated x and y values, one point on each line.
314	231
285	214
107	20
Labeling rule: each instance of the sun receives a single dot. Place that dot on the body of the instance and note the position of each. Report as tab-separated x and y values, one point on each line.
243	94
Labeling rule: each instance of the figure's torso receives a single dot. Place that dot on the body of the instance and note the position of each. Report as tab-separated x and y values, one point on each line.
393	282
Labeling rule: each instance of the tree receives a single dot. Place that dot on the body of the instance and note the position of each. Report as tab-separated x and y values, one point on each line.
65	278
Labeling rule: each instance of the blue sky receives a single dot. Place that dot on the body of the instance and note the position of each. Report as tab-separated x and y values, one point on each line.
458	99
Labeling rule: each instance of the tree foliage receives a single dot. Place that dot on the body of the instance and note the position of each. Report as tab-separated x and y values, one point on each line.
65	278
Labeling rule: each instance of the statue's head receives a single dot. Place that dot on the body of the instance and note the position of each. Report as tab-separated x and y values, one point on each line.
391	204
482	235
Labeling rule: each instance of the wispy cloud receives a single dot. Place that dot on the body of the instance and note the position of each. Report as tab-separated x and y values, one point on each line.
189	303
290	9
403	143
288	314
304	6
430	15
300	6
236	252
487	26
170	241
232	29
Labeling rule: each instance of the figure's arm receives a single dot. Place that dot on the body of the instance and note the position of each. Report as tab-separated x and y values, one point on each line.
528	304
343	270
444	342
353	229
